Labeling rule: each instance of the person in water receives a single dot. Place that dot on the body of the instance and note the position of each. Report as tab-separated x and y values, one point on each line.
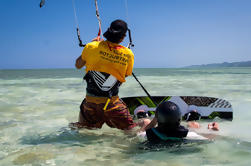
191	118
168	118
107	65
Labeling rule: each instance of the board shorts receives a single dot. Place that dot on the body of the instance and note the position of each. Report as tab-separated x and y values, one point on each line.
116	115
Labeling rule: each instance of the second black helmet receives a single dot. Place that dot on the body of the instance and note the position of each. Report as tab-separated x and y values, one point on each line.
168	114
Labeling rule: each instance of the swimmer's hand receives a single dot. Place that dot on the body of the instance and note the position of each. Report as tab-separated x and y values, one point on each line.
193	124
213	126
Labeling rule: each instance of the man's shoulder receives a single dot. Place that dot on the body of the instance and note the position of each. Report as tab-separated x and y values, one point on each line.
93	44
121	48
129	51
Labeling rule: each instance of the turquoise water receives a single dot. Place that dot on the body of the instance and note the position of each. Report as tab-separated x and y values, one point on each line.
37	105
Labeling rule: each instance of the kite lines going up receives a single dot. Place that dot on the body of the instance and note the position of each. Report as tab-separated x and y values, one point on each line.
100	34
77	25
42	2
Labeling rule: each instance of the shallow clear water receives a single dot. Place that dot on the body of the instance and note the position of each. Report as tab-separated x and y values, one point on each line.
37	105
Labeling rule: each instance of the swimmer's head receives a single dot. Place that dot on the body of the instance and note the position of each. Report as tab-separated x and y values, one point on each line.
168	115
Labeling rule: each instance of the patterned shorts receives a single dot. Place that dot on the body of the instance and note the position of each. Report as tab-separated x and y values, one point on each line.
93	115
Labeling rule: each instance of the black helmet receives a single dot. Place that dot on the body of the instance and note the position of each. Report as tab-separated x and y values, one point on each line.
116	31
168	114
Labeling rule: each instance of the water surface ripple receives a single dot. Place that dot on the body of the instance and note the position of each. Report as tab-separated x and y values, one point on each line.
37	105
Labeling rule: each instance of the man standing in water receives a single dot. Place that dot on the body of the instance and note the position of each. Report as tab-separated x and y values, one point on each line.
107	64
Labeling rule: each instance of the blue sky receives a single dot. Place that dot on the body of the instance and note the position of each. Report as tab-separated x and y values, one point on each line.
166	33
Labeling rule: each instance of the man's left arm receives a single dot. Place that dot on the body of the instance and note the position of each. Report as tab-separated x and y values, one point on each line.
79	62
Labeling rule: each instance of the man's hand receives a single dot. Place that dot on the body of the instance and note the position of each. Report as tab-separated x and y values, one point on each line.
97	39
79	62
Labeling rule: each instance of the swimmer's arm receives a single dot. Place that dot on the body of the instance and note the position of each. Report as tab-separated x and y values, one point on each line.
152	124
211	126
79	62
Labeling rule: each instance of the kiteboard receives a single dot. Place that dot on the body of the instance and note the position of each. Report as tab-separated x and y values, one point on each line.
207	107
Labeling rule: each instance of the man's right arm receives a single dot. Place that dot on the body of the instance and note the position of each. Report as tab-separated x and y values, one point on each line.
79	62
130	65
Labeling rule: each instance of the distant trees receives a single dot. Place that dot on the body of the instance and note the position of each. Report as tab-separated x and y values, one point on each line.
225	64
